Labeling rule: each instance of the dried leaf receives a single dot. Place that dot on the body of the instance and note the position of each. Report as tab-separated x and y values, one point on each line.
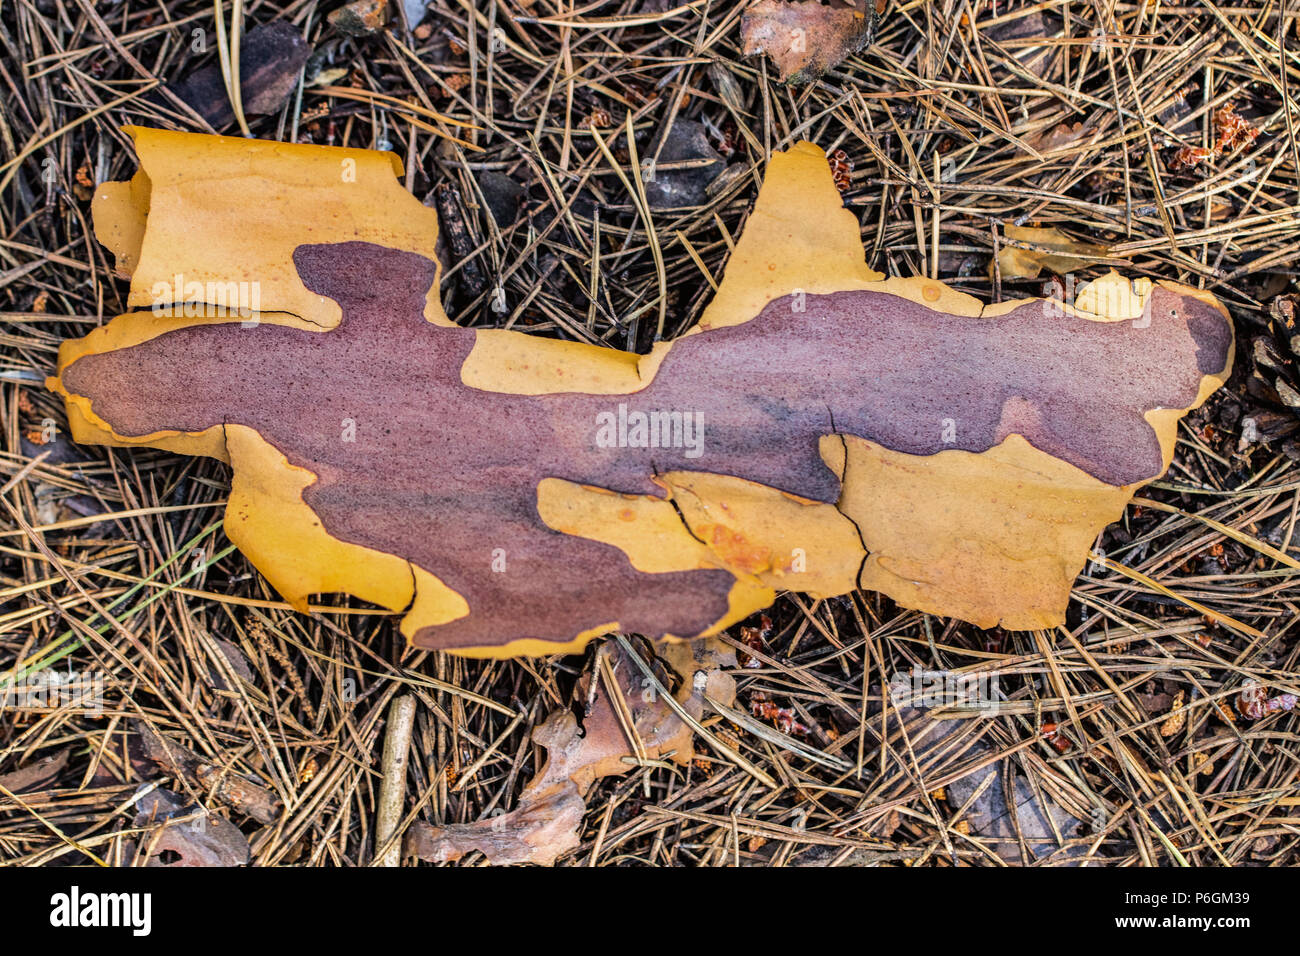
1017	30
1058	137
1002	810
686	142
183	836
805	38
1014	818
237	792
542	829
1018	823
36	774
271	57
1029	251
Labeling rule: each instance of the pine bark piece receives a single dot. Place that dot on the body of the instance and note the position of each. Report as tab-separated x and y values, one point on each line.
235	791
271	57
853	430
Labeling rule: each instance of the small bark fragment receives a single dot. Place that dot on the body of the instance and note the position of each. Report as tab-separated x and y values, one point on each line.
360	17
237	792
271	57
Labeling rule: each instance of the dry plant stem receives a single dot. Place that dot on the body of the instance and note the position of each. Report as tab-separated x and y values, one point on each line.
392	788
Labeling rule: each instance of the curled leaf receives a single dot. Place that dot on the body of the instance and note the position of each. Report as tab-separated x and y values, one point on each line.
1029	251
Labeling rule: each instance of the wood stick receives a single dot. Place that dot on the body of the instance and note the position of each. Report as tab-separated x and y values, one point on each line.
392	790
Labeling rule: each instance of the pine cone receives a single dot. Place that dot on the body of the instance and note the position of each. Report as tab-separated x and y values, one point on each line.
1275	377
1275	358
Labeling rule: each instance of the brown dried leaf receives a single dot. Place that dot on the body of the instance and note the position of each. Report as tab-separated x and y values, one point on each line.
1058	137
271	57
194	838
1020	821
36	774
1017	821
235	791
805	38
539	831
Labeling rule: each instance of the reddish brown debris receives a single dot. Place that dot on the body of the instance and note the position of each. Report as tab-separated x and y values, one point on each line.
841	169
1232	132
784	718
1253	701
